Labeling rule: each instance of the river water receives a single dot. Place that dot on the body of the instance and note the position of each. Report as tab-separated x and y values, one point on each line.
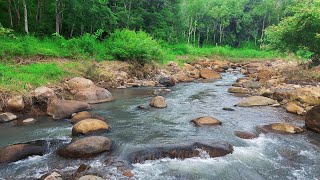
271	156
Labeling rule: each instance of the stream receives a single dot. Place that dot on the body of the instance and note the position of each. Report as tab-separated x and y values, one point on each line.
270	156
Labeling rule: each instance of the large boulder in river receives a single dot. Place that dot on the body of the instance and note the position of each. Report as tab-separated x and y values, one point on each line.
181	152
209	74
84	115
206	121
86	147
256	101
18	152
60	109
89	126
85	90
158	102
312	120
16	103
281	128
294	108
7	117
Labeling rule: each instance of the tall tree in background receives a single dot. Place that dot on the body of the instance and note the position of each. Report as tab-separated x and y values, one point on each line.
25	13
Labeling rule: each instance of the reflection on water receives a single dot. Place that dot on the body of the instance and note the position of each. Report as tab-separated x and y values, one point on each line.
270	156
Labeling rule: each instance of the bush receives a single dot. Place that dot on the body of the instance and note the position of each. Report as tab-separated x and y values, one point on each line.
127	45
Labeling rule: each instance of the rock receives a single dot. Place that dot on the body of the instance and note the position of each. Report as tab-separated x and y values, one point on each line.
245	135
238	90
90	177
194	74
228	109
252	84
158	102
18	152
209	74
53	176
294	108
264	75
206	121
89	126
313	119
149	83
181	152
84	115
86	90
256	101
29	121
44	92
282	128
7	117
82	168
167	81
183	77
60	109
160	92
16	103
142	107
309	95
128	173
86	147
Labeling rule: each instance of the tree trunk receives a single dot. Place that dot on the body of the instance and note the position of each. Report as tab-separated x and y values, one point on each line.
17	12
220	31
71	33
25	12
38	14
262	30
57	17
10	14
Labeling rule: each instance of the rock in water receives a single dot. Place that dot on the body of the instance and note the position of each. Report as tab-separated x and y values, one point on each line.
245	135
7	117
90	177
313	119
256	101
89	126
206	121
209	74
86	90
86	147
181	152
16	103
60	109
158	102
167	81
282	128
53	176
240	90
84	115
18	152
294	108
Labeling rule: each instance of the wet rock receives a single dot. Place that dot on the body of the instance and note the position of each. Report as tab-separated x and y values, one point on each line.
228	109
252	84
206	121
167	81
60	109
44	92
308	95
128	173
53	176
86	90
89	126
181	152
29	121
294	108
245	135
16	103
86	147
142	107
90	177
312	120
238	90
18	152
256	101
82	168
183	77
7	117
149	83
158	102
84	115
209	74
282	128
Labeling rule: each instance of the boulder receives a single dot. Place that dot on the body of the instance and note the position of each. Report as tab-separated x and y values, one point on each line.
149	83
90	177
86	147
84	115
16	103
53	176
29	121
206	121
183	77
85	90
294	108
89	126
256	101
18	152
60	109
312	120
194	74
158	102
245	135
308	95
264	75
209	74
252	84
167	81
7	117
240	90
44	92
282	128
181	152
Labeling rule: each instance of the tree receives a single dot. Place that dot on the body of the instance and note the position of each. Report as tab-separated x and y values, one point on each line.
25	12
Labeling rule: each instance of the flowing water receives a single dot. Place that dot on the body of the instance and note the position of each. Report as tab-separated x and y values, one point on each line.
271	156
